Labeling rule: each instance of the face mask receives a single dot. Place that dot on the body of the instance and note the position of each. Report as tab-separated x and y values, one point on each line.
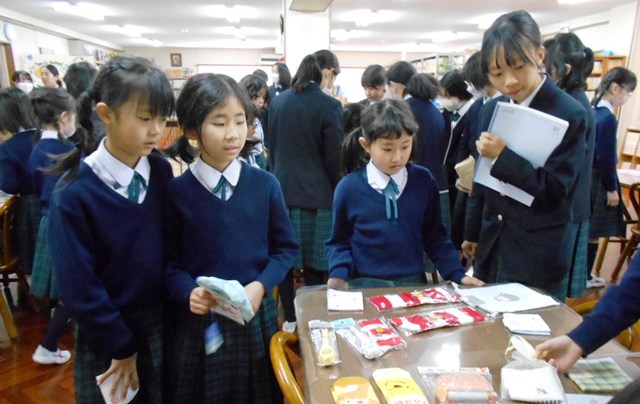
275	78
475	92
25	86
449	104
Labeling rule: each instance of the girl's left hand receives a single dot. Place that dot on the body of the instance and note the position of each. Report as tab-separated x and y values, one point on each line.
471	281
255	292
613	199
489	145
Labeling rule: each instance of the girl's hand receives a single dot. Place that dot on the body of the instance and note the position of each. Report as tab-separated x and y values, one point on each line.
338	284
471	281
125	374
255	292
489	145
201	301
460	186
561	352
613	199
469	249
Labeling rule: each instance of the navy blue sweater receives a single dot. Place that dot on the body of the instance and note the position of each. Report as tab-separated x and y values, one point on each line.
364	243
108	253
14	155
41	157
248	237
604	159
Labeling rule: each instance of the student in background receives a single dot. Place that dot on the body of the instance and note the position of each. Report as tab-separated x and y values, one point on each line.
512	242
387	211
18	130
351	121
106	230
305	136
22	80
330	68
607	219
570	63
280	78
373	82
79	78
55	110
51	76
258	92
228	220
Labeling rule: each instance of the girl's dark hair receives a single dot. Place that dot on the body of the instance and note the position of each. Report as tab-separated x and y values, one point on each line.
21	73
453	84
284	75
54	70
16	113
261	73
423	86
308	71
567	48
373	76
351	116
252	115
253	84
122	79
516	35
384	119
200	95
79	78
48	103
618	75
401	72
472	71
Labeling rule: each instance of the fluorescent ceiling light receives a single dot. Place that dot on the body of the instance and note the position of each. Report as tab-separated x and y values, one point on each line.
93	12
132	31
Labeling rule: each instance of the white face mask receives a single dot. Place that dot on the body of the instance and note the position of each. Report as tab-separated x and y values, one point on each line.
475	92
275	77
450	104
25	86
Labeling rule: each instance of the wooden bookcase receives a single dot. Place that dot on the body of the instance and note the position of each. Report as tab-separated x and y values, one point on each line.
630	150
601	66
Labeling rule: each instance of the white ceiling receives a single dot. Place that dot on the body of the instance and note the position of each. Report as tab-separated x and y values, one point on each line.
409	24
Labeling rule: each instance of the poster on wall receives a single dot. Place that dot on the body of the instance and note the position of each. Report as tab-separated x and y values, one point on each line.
32	64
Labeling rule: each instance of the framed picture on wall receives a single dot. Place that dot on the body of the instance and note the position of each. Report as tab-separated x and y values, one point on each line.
176	59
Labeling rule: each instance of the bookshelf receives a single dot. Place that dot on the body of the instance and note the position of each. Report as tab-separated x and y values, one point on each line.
601	66
439	63
630	150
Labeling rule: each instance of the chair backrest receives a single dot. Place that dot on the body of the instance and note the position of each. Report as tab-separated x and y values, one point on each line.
8	256
282	366
628	338
634	198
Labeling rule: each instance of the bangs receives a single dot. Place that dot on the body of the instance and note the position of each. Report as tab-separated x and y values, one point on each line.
388	120
509	44
155	91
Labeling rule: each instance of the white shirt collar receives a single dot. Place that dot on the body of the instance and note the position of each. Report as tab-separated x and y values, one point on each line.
119	171
379	180
486	98
49	134
209	176
463	110
530	98
606	104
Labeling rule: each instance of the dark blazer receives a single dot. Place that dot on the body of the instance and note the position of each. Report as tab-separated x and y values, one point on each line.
454	143
305	139
431	142
582	200
532	241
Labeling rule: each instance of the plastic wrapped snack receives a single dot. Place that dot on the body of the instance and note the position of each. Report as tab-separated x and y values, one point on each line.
409	299
458	386
324	341
364	344
382	334
398	387
430	320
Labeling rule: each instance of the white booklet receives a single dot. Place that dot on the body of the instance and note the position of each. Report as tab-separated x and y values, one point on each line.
339	300
506	298
529	133
525	323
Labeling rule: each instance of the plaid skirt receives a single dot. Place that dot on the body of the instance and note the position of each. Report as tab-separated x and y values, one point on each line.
91	361
238	372
28	219
429	266
43	283
312	228
605	221
578	271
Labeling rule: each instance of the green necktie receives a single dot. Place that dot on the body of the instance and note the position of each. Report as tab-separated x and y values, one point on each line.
133	190
222	188
391	199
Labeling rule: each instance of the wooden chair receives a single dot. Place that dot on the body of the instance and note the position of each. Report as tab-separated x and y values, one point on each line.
632	243
282	366
629	221
629	338
9	262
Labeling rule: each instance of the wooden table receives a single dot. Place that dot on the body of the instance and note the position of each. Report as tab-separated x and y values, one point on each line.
479	345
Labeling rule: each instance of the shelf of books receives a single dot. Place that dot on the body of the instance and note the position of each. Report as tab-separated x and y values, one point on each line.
601	66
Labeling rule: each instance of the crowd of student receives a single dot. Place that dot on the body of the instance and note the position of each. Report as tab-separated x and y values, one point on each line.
292	176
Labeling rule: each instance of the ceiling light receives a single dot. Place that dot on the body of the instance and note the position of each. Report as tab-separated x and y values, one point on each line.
93	12
132	31
233	14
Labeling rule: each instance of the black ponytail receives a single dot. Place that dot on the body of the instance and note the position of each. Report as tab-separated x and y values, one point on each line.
353	155
618	75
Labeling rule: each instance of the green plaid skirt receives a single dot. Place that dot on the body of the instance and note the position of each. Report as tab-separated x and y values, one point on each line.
578	271
605	221
28	219
238	372
312	228
43	282
91	361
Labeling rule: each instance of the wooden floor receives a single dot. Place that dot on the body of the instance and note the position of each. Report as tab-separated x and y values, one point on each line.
24	382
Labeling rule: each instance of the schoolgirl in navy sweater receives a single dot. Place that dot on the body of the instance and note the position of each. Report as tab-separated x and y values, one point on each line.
225	219
386	214
106	232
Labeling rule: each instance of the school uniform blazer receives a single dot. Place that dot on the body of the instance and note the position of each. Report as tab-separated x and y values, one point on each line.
431	139
582	200
305	140
468	142
454	143
14	157
531	241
